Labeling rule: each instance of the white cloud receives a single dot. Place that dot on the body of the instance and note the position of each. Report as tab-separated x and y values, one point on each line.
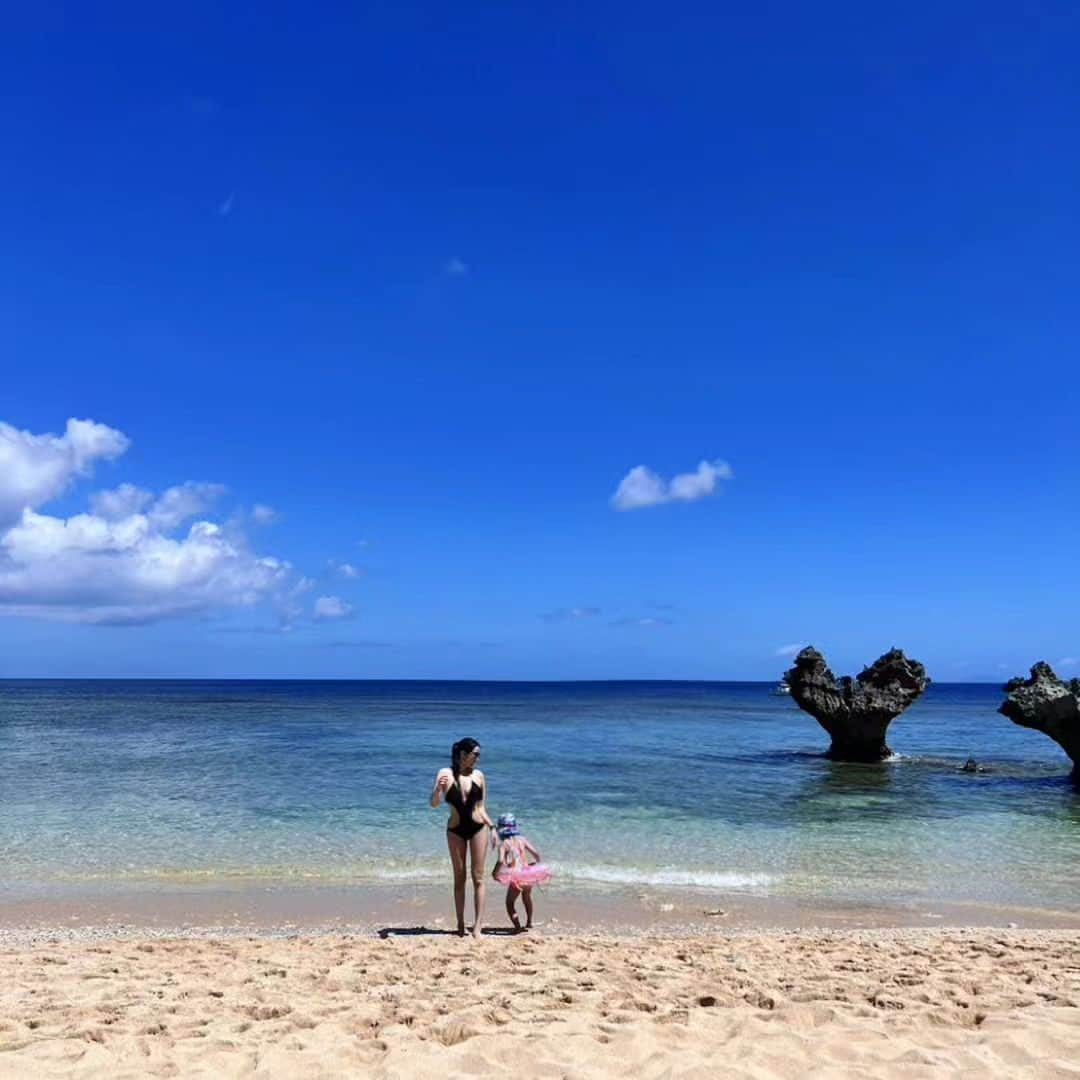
641	487
343	569
789	650
649	622
175	505
119	563
332	607
456	268
1069	661
89	569
302	586
120	502
226	208
688	487
184	501
289	604
37	468
571	613
262	514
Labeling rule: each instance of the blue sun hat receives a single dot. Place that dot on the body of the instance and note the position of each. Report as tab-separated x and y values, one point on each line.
507	826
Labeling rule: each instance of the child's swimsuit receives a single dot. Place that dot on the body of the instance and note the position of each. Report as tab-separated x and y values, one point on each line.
514	871
466	827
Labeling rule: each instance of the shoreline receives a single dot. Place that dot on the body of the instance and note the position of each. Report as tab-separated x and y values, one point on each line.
262	910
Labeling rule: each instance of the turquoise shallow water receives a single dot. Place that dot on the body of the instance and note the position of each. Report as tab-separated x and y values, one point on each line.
714	785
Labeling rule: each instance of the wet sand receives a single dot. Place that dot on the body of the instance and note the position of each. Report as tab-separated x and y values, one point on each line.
258	908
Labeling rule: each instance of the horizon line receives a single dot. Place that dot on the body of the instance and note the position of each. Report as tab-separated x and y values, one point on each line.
426	679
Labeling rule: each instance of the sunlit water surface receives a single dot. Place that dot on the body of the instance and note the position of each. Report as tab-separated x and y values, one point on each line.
717	785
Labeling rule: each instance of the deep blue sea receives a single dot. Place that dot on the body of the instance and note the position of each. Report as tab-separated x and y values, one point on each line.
715	785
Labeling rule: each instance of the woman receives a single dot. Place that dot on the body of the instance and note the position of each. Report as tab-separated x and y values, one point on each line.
463	788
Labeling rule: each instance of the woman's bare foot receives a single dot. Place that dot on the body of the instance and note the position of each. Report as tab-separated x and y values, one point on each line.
477	930
461	930
516	923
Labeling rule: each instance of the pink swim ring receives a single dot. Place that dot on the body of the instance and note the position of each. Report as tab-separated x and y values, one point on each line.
523	877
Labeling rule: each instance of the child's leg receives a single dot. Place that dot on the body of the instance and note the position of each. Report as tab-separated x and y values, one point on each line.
526	895
512	893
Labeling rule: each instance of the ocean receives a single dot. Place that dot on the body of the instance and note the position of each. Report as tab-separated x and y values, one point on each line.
713	786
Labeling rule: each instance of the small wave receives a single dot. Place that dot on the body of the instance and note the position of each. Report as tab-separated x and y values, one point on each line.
418	874
702	879
359	875
210	875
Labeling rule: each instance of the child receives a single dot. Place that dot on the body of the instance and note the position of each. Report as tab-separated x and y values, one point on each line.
512	870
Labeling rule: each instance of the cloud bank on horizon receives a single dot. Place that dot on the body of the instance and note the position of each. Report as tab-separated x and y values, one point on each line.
121	563
641	487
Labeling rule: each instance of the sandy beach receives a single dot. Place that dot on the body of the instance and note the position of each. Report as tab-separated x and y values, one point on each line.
873	1003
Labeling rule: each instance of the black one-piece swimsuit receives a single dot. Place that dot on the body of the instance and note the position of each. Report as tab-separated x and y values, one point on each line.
466	828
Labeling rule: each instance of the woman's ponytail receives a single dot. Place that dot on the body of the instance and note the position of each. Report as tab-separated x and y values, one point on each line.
458	751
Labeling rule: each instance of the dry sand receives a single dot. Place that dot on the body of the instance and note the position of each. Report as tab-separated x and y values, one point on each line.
878	1003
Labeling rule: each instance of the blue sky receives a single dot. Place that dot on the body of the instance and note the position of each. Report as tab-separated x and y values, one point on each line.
429	282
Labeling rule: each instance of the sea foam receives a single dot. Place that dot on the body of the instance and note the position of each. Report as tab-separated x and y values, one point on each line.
632	875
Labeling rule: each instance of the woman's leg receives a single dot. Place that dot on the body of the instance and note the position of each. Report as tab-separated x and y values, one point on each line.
458	849
512	894
526	895
478	846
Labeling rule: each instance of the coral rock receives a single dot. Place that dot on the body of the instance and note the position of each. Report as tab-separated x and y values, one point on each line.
856	712
1047	704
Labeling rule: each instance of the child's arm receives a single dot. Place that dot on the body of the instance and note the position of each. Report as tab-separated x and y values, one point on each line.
530	849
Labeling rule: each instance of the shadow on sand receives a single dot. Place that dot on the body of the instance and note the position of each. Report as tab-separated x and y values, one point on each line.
437	931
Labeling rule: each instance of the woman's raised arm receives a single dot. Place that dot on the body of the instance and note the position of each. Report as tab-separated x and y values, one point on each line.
442	782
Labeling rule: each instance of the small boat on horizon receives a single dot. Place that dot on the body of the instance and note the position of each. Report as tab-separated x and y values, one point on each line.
781	688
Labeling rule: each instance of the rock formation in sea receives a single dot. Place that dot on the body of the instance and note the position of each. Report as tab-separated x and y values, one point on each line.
1047	704
856	712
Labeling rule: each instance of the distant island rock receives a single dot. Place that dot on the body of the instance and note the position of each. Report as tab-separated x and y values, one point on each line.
856	712
1047	704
